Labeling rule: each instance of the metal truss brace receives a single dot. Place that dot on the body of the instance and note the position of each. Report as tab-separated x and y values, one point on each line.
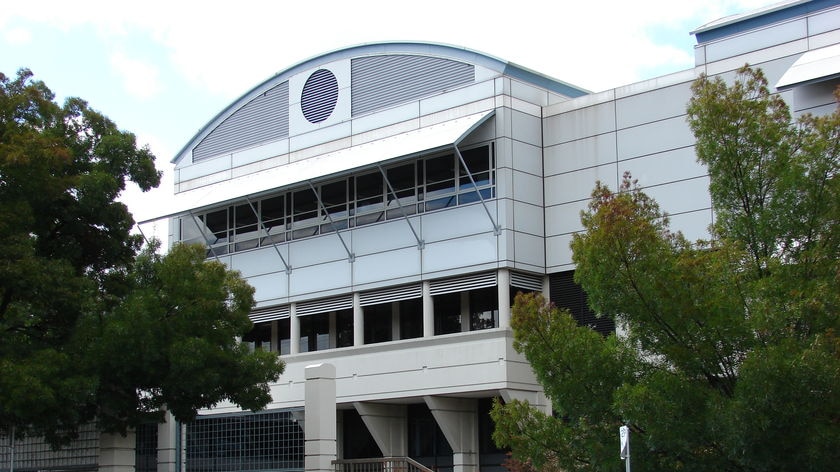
350	256
263	229
420	243
200	227
497	230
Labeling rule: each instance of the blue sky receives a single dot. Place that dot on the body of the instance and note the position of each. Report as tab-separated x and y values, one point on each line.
162	69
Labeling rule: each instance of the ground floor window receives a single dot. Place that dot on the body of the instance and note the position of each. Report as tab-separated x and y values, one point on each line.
248	442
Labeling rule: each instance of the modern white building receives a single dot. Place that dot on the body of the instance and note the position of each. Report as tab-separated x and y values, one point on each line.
387	200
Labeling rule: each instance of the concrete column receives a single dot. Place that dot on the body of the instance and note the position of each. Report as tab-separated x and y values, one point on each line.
388	424
458	420
320	432
505	302
428	310
294	330
170	444
116	452
358	320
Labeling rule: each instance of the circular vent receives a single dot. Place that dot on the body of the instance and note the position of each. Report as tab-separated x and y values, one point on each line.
320	93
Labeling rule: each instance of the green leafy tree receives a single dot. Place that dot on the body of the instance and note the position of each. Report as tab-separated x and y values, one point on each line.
89	330
728	356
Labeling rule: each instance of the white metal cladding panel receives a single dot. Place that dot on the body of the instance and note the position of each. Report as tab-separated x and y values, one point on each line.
455	254
529	249
694	225
458	221
527	188
382	81
528	218
260	261
654	137
580	154
581	123
395	294
822	22
565	218
261	315
655	105
759	39
526	281
388	266
325	305
461	284
263	119
328	277
269	287
683	196
664	167
578	185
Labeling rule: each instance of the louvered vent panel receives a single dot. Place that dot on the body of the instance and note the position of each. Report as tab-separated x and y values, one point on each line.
395	294
527	281
261	315
319	96
325	305
263	119
461	284
565	293
381	81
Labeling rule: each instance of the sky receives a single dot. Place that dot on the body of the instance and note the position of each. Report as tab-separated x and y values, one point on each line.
163	69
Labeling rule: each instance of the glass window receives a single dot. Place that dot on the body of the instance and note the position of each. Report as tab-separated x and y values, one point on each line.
344	328
447	313
334	199
411	318
403	180
259	337
304	214
377	323
370	198
315	332
273	213
245	228
284	332
484	308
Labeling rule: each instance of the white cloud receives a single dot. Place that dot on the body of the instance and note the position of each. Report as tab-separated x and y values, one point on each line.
140	79
18	36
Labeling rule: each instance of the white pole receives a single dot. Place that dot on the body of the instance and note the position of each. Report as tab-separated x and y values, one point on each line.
624	437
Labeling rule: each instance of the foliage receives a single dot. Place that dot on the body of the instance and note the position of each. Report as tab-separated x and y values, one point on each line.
727	356
88	329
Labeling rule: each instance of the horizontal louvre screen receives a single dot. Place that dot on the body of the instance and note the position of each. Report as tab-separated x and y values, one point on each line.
394	294
263	119
382	81
565	293
461	284
326	305
262	315
527	281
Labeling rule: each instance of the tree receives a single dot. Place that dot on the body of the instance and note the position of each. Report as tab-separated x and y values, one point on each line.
729	356
89	329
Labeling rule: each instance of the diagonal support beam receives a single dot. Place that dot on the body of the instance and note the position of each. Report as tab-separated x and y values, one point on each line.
263	229
200	227
350	256
420	243
497	230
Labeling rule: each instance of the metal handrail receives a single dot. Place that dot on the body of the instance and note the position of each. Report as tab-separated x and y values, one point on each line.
380	464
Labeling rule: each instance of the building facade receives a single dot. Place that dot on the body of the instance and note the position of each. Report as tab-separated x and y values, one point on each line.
388	200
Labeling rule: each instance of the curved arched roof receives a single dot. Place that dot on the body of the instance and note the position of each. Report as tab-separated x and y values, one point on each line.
399	47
